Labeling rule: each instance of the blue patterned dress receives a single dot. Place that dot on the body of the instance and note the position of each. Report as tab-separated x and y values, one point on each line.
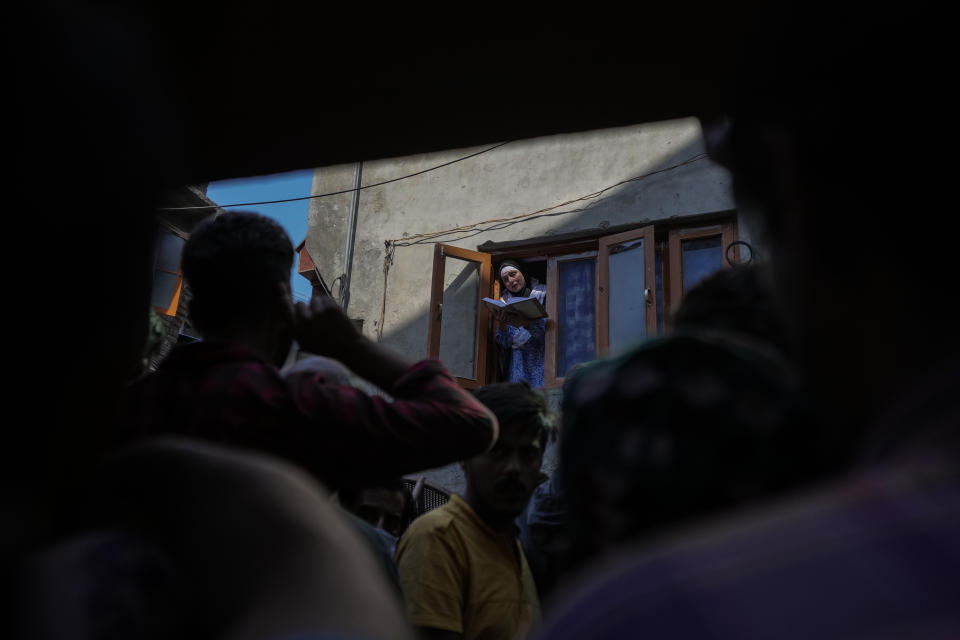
525	344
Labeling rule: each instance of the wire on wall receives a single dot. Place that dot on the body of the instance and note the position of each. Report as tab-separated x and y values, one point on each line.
388	251
418	238
336	193
476	227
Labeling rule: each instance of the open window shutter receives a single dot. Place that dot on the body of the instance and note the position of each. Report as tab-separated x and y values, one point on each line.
626	289
458	324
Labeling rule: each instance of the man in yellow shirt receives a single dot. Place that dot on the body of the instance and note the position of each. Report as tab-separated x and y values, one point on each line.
461	566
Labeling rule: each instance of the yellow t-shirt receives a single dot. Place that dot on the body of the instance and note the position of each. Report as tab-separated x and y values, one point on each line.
459	575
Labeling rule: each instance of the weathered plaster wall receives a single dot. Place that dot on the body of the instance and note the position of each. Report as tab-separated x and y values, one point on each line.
518	178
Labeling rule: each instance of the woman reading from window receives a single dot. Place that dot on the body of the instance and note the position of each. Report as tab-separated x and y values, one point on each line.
520	338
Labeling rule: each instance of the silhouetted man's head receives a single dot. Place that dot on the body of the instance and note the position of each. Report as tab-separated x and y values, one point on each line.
501	481
384	505
735	300
238	268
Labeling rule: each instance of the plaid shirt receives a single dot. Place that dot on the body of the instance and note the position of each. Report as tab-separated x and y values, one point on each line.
228	394
876	556
676	428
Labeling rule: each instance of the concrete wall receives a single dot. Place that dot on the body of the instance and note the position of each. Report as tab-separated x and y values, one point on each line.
518	178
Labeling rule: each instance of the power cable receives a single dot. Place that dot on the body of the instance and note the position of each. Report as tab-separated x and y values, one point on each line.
499	223
336	193
417	238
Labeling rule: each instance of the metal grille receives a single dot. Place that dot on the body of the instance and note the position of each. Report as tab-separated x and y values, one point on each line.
429	497
432	498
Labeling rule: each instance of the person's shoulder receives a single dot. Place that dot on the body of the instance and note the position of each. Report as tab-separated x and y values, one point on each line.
801	546
538	290
367	531
435	536
438	521
452	525
229	374
208	359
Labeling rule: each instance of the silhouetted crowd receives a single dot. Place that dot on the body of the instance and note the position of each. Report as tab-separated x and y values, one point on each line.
781	462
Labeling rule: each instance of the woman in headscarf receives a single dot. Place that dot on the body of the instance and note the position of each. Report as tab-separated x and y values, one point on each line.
520	339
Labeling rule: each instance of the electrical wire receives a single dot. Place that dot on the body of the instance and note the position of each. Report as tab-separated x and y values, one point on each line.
499	223
336	193
417	238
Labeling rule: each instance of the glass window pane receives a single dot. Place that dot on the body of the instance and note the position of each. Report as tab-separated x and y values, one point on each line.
575	308
458	322
627	307
164	286
169	247
701	258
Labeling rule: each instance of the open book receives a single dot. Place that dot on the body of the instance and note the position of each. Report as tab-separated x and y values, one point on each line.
528	307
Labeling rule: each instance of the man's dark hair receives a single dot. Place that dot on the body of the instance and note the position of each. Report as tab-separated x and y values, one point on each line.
349	495
518	406
234	265
739	300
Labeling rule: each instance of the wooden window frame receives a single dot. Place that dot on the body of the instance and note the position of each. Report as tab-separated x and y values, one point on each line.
550	355
175	299
603	282
435	310
727	231
598	247
178	289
